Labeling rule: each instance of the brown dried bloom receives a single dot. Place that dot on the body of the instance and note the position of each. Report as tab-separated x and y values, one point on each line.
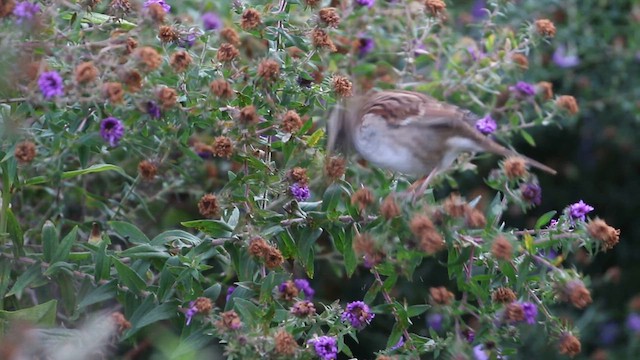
312	3
203	305
298	175
250	19
435	7
25	152
303	308
208	206
86	72
229	320
432	242
454	206
514	312
156	13
568	103
362	198
221	88
274	258
335	167
149	57
569	345
600	354
248	115
147	170
546	89
599	229
167	97
578	294
341	85
6	7
545	27
475	218
288	290
222	147
230	36
227	52
521	60
389	208
113	91
285	343
515	167
269	70
503	295
321	39
291	122
180	60
258	247
167	34
120	322
133	80
441	296
421	224
329	16
365	247
502	248
132	44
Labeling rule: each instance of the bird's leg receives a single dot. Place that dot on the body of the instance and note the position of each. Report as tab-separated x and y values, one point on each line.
422	184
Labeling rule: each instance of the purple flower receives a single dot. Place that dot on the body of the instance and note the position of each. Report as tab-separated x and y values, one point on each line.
486	125
398	345
609	333
25	10
578	210
211	21
153	110
365	46
633	322
50	84
191	312
564	60
303	285
111	130
531	193
301	193
187	40
325	346
479	353
523	89
358	314
469	334
475	53
530	312
434	321
478	9
229	292
166	7
367	3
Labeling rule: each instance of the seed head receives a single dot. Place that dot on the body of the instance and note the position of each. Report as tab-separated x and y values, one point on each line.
208	206
147	170
321	39
598	229
221	88
180	61
568	103
545	27
149	57
250	19
546	89
167	34
269	70
86	72
503	295
521	60
515	167
25	152
502	248
329	16
441	296
569	345
113	91
248	115
230	36
389	208
342	86
335	167
227	52
222	147
285	343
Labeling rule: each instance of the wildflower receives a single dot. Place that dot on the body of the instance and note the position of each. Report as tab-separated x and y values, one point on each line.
475	53
86	72
303	308
229	292
358	314
531	193
389	208
546	89
434	321
486	125
367	3
503	295
201	305
545	27
291	122
362	198
269	70
530	312
221	88
435	7
420	224
479	352
166	7
523	89
564	60
326	347
230	36
250	19
149	57
229	320
258	247
633	322
329	16
25	152
208	206
365	45
365	247
147	170
156	12
113	91
599	229
111	130
568	103
288	290
569	345
153	109
441	296
180	60
285	343
321	39
227	52
521	60
133	80
514	167
25	10
50	84
514	312
576	293
211	21
303	285
167	97
299	175
120	322
167	34
300	192
186	40
341	85
502	248
474	218
335	167
579	210
222	147
273	258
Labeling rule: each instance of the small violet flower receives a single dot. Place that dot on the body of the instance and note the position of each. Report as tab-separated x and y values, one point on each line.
191	312
531	193
564	60
357	314
579	210
153	110
398	345
523	89
326	347
479	353
486	125
300	192
530	312
633	322
50	84
478	9
434	321
211	21
111	130
365	46
475	53
166	7
229	292
609	332
25	10
187	40
367	3
303	285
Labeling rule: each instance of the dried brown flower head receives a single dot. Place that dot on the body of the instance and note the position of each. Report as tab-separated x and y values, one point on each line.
25	152
514	312
599	229
156	13
147	170
312	3
119	7
248	115
229	320
86	72
321	39
291	122
389	208
113	91
365	247
503	295
475	218
421	224
222	147
454	206
274	258
441	296
335	167
329	16
288	290
221	88
568	103
227	52
167	97
362	198
208	206
203	305
6	7
132	80
515	167
521	60
269	70
258	247
569	345
250	19
298	175
285	343
435	7
502	248
341	85
545	27
545	88
432	242
180	60
578	294
132	44
120	322
149	57
167	34
303	308
230	36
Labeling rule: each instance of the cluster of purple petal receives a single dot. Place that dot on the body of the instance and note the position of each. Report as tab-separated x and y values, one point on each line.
365	46
564	60
111	130
326	347
523	89
153	110
530	312
191	312
531	193
579	210
211	21
166	7
300	192
357	314
25	10
367	3
486	125
50	83
302	285
229	292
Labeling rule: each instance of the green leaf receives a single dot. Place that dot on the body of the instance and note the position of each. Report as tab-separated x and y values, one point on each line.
248	310
150	312
43	315
25	279
176	235
129	232
416	310
544	219
62	252
214	228
15	233
128	277
395	336
213	292
103	262
69	174
99	294
528	138
145	251
49	240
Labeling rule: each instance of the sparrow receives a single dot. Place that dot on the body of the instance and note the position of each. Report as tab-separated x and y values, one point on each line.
410	133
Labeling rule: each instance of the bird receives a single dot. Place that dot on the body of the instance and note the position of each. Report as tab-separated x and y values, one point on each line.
410	133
